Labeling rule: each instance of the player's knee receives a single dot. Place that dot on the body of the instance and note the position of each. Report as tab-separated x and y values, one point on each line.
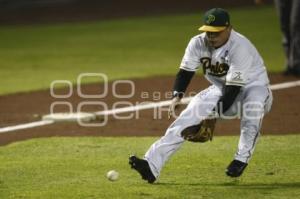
251	128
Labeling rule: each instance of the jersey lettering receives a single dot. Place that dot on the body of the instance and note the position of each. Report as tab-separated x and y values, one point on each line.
219	70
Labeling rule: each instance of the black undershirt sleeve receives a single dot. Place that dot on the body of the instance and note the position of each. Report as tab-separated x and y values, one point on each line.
181	83
226	101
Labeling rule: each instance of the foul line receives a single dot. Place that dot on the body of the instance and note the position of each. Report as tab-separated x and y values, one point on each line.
26	126
131	109
285	85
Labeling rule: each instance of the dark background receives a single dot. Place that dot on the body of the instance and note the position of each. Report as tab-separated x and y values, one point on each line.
46	11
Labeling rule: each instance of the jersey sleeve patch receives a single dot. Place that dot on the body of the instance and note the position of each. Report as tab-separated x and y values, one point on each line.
235	78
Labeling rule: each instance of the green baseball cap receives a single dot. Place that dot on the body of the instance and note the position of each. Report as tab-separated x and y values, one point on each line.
215	20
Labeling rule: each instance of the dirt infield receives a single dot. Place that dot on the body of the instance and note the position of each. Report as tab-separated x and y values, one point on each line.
28	107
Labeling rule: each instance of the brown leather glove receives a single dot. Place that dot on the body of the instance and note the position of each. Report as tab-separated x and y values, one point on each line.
201	132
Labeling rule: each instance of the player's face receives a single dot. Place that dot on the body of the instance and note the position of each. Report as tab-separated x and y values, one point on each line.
218	39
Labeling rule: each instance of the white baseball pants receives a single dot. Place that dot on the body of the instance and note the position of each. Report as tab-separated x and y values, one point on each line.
252	103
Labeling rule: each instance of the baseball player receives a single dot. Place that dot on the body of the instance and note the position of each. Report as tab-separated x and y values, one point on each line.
240	84
289	14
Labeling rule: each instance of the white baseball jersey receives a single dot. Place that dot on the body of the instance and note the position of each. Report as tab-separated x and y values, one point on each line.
235	63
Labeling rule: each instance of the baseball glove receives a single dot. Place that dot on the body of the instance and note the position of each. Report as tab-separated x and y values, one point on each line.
201	132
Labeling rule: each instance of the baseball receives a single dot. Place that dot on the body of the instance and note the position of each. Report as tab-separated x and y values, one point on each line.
112	175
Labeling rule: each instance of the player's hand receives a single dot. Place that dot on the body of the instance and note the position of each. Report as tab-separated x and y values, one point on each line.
173	106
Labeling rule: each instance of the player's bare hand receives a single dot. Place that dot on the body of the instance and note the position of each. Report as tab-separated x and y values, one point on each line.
173	106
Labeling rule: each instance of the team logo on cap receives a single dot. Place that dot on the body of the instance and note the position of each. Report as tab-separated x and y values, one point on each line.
210	19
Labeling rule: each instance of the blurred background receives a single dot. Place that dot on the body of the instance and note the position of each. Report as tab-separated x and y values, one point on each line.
40	11
46	40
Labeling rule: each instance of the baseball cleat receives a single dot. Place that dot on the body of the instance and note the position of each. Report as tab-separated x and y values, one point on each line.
235	168
142	167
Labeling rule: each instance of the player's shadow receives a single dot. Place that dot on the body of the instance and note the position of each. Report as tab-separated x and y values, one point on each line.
238	184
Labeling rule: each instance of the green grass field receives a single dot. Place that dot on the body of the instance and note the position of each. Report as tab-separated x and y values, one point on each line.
33	56
76	168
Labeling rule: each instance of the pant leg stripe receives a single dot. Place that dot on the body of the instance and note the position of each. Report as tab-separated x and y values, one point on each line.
259	126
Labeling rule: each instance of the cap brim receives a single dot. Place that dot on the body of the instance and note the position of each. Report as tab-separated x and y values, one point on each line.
206	28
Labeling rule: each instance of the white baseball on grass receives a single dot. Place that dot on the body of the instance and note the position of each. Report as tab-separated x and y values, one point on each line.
112	175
